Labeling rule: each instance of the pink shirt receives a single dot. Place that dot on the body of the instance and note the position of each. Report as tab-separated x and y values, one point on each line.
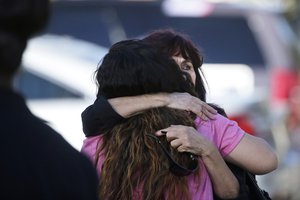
222	132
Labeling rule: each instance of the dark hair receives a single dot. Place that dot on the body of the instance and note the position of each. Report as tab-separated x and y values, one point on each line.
19	20
134	161
133	67
175	43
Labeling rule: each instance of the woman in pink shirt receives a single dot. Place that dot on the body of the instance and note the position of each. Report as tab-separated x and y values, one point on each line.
223	133
213	140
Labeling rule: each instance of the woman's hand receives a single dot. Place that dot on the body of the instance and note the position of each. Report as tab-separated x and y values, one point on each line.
185	101
187	139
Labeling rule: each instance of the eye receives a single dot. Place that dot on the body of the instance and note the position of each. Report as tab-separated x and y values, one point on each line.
186	67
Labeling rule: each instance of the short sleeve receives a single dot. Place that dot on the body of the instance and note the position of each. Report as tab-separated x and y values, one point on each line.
228	135
224	133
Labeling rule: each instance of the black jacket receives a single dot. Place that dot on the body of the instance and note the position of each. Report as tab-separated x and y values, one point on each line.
99	116
36	162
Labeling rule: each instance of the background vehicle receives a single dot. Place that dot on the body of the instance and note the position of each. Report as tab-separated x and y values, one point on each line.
246	41
57	81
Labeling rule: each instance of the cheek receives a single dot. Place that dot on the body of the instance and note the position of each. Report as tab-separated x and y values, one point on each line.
193	77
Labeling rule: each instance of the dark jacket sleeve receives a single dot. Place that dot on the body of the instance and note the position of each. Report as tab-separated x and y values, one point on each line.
99	116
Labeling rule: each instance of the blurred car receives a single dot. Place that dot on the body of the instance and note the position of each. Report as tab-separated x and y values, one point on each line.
251	53
57	81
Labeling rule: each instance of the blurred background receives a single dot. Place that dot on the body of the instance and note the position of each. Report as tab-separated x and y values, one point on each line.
251	62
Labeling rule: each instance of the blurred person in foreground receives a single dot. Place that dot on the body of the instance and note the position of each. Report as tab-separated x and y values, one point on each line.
36	162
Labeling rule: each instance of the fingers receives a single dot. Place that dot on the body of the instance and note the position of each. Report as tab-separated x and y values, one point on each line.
161	132
170	132
209	112
170	136
175	143
203	115
210	109
202	109
198	110
185	101
174	134
178	144
182	138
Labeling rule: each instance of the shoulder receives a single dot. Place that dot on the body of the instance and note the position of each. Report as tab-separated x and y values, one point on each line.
220	122
223	132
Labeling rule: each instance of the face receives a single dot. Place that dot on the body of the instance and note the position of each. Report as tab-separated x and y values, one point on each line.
186	66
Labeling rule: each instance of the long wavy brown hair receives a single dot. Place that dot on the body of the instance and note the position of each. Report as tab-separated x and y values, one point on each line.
134	166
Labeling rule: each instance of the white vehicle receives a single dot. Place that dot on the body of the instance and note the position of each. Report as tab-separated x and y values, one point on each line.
57	81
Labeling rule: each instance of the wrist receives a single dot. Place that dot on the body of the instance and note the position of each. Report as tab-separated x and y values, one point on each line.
209	153
159	99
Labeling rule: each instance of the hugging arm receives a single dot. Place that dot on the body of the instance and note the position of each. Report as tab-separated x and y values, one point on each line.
129	106
98	116
254	154
107	113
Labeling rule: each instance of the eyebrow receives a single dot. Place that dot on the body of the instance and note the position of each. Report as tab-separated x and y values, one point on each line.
187	62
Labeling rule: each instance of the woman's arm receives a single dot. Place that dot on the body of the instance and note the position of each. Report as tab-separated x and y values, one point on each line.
128	106
98	116
225	184
254	154
187	139
107	113
251	153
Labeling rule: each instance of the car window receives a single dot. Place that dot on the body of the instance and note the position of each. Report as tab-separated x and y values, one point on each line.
33	86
